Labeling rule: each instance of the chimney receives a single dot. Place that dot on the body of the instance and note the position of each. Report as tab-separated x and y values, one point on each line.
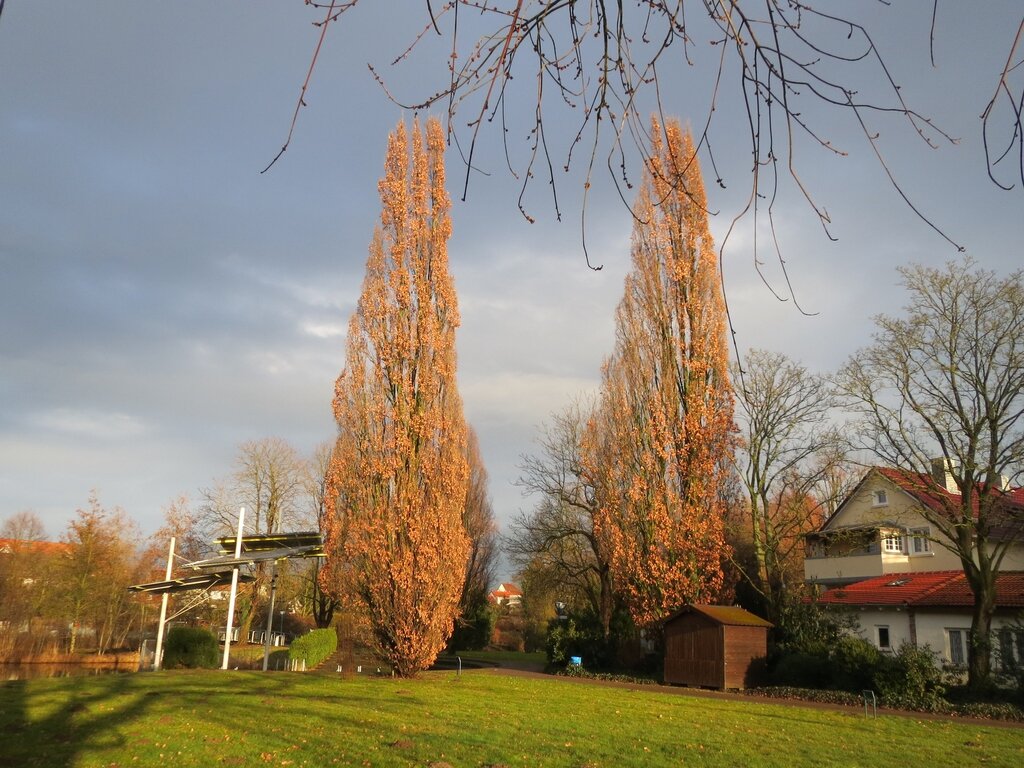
942	474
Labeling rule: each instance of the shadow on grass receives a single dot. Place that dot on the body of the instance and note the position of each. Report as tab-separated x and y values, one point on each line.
52	725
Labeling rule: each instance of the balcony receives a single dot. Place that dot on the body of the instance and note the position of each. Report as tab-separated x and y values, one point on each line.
848	555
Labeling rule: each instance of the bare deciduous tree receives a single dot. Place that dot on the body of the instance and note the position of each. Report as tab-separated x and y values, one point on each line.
786	453
557	537
481	528
792	70
945	382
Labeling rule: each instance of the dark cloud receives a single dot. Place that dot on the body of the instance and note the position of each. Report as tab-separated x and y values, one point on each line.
162	301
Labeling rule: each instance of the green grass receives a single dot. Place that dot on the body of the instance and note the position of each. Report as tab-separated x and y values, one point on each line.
214	718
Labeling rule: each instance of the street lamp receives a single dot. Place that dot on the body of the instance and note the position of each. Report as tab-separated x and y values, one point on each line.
282	627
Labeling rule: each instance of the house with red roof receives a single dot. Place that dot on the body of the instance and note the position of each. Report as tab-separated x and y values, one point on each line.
507	594
879	529
933	608
879	556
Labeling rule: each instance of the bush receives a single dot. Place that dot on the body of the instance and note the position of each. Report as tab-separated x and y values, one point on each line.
192	648
806	694
314	647
910	680
854	663
473	631
577	637
802	670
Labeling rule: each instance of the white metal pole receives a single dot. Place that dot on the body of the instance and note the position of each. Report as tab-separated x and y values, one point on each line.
234	590
163	610
270	620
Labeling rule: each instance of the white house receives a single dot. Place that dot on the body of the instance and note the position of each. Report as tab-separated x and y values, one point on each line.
506	593
933	608
879	529
880	556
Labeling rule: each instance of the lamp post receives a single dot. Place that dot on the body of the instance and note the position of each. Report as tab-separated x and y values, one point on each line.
282	627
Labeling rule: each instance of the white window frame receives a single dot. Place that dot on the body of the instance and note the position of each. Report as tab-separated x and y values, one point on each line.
879	498
920	541
957	638
894	543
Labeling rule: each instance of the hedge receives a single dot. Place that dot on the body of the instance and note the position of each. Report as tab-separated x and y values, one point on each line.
191	647
313	647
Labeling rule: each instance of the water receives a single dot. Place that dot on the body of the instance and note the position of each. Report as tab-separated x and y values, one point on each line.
10	671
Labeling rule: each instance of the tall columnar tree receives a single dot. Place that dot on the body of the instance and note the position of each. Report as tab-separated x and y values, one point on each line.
667	407
399	471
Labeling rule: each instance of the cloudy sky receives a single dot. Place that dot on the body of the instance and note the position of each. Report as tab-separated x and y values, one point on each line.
161	301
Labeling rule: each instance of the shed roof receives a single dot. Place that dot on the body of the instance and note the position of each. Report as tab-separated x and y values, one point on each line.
728	615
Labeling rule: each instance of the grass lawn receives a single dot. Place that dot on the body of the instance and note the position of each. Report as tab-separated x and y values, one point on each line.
482	718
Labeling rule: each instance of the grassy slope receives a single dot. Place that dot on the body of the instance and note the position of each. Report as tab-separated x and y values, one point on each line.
480	719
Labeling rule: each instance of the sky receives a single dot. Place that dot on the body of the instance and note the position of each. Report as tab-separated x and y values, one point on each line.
162	302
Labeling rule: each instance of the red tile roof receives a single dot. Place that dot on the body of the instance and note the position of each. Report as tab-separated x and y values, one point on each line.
931	588
36	547
923	487
505	591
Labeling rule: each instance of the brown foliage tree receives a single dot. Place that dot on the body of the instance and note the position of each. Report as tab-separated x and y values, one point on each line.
26	576
395	534
667	409
93	577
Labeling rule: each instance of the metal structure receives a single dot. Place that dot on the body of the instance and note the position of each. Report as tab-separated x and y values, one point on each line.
236	552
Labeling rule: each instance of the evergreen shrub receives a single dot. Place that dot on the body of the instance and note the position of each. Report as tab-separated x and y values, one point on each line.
191	648
314	647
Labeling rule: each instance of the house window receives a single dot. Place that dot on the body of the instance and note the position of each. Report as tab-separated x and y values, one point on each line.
879	499
957	639
892	542
882	636
919	542
1011	649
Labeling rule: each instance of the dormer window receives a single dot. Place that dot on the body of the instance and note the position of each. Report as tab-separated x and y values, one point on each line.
879	499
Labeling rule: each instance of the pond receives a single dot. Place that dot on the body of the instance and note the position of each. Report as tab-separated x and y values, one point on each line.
9	671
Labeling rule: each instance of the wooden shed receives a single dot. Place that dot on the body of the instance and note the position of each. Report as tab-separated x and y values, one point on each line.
713	646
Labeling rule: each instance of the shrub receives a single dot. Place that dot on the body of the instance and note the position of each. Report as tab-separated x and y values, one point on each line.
910	680
577	637
802	670
473	631
854	662
991	711
314	647
806	694
191	647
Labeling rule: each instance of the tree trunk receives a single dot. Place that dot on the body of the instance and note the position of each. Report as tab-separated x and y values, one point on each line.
607	607
979	650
